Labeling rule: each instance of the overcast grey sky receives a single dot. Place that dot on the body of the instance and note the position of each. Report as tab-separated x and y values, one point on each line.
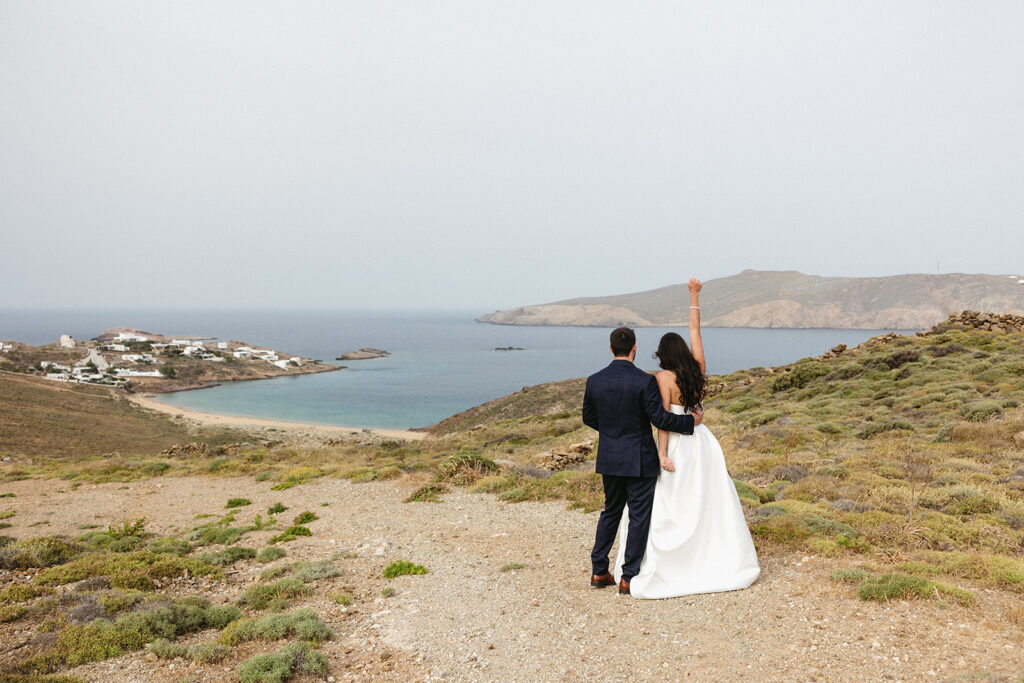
481	154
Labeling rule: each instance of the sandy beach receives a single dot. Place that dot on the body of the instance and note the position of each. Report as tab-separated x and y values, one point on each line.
147	401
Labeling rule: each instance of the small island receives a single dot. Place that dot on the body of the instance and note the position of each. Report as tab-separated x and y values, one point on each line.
509	348
364	353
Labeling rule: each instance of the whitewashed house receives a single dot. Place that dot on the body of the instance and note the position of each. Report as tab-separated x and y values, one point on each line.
113	346
296	360
125	372
67	341
222	346
131	337
242	353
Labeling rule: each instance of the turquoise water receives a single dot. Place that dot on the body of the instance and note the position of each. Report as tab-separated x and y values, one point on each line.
441	362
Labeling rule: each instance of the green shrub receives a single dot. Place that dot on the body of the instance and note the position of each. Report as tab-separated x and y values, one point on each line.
741	405
304	659
219	532
173	546
303	624
205	653
343	599
19	592
155	469
291	534
228	555
10	613
829	428
124	570
208	653
120	602
165	649
512	566
763	417
402	568
276	509
102	638
904	587
296	476
304	518
746	491
312	571
465	468
45	551
888	426
264	669
270	553
295	658
238	502
851	575
276	594
431	493
800	373
979	411
128	529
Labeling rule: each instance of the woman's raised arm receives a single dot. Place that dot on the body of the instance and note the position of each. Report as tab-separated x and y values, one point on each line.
696	344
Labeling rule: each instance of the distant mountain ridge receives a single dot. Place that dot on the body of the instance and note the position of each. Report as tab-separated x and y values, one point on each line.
788	299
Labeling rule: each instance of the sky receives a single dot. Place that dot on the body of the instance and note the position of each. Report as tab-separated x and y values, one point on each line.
484	155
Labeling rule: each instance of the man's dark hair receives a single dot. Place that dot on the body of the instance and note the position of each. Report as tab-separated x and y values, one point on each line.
623	340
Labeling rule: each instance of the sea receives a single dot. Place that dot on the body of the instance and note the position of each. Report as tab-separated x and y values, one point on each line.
441	362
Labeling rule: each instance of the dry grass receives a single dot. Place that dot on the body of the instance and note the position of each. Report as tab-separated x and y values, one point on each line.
73	422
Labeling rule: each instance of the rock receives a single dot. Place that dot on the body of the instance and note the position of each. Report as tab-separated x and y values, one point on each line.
791	473
186	449
558	460
365	353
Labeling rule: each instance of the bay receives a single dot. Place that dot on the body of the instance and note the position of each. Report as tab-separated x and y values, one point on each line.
442	362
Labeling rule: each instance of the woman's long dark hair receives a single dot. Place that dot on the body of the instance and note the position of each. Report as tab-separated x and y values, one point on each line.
675	355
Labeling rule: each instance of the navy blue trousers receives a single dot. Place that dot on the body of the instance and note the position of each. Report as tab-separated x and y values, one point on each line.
638	493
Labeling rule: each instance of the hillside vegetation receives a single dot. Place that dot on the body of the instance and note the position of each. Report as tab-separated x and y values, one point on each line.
788	299
61	420
902	460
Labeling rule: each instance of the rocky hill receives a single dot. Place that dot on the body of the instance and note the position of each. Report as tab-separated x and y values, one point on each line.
788	299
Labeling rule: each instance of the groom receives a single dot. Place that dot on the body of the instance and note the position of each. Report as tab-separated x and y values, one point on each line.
621	402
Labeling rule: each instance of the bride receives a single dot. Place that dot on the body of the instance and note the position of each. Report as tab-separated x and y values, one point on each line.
699	541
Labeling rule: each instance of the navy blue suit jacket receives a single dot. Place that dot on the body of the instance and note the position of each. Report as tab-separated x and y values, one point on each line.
621	402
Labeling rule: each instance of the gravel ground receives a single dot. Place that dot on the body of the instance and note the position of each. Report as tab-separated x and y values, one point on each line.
467	620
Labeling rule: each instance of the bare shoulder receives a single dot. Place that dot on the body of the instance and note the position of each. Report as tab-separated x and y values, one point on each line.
666	377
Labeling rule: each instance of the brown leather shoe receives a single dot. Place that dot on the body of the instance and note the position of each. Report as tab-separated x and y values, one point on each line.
623	587
602	580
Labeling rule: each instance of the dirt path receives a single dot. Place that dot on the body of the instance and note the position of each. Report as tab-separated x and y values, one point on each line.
468	620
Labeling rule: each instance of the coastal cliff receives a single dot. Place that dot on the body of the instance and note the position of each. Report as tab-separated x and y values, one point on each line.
788	299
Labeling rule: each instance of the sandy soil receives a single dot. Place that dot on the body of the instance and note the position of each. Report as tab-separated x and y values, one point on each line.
467	620
147	401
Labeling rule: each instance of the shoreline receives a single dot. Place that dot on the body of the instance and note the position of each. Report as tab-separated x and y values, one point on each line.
213	419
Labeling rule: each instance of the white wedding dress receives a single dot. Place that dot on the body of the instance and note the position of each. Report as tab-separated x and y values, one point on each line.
699	541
